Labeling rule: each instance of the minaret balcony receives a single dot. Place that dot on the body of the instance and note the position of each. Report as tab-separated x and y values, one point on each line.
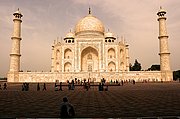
162	36
15	37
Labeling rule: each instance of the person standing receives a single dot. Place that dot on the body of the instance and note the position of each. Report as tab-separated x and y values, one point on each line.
55	87
38	87
122	83
73	86
5	86
66	109
134	82
60	87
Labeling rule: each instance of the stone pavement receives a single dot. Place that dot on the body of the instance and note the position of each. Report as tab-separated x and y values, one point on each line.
142	100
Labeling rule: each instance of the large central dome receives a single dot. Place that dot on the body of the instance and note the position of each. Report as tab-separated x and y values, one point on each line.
89	24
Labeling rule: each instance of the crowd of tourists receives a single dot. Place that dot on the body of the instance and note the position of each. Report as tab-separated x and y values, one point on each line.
4	87
85	84
25	86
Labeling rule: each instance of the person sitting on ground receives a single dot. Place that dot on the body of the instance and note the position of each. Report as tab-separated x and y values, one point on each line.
66	109
106	89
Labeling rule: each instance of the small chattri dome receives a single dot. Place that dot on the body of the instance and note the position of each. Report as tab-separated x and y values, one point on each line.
18	13
70	35
161	12
89	23
109	34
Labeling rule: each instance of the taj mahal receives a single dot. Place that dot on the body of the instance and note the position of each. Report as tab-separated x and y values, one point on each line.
90	52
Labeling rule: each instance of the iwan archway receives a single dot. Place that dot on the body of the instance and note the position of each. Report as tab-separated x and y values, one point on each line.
89	60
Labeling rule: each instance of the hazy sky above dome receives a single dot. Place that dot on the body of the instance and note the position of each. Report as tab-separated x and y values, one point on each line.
45	20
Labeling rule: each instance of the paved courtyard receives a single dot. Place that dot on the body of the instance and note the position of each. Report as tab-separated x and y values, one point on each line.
142	100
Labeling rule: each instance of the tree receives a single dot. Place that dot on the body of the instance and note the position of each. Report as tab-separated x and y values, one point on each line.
155	67
136	66
176	75
130	67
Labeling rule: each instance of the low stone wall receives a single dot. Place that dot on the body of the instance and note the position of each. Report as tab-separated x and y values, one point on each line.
138	76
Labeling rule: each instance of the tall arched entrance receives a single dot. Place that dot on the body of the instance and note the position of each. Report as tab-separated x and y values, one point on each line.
89	60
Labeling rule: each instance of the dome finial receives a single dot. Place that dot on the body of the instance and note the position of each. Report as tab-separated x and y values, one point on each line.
89	10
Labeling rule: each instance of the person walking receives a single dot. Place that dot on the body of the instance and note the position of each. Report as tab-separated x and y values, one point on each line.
44	86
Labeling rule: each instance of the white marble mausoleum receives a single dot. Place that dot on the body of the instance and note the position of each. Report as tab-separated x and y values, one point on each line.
89	52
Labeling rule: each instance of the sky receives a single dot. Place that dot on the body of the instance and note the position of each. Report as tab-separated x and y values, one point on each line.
46	20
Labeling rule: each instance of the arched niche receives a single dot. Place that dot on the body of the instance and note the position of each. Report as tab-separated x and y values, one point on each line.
89	59
57	54
67	53
111	53
111	66
121	53
57	67
67	67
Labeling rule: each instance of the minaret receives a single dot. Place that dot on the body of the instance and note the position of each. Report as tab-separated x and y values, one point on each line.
163	44
127	57
16	38
53	57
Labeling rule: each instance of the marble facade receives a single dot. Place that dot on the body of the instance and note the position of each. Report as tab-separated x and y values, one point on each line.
89	52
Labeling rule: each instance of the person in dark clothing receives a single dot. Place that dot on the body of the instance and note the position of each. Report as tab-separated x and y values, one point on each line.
27	86
23	87
69	86
134	82
0	87
66	109
38	87
60	88
44	86
86	86
73	86
55	87
64	112
122	83
100	87
5	86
